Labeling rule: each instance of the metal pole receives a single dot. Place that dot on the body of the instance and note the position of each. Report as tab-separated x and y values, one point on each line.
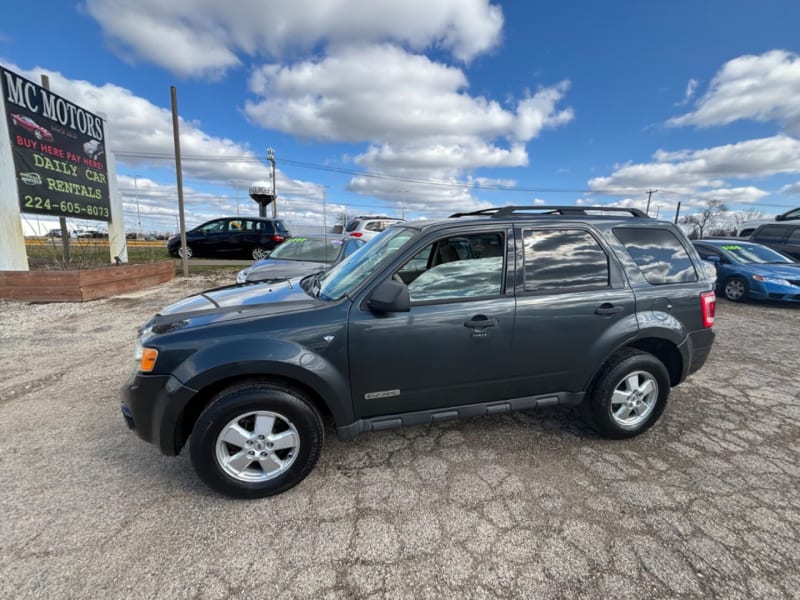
177	135
649	195
271	158
677	213
138	212
61	220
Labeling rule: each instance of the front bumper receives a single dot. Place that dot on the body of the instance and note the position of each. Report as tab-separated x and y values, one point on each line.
152	406
774	291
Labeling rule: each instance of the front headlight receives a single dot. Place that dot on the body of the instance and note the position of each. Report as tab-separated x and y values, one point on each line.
241	276
145	357
773	280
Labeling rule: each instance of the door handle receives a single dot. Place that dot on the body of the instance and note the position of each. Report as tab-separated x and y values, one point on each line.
607	309
480	322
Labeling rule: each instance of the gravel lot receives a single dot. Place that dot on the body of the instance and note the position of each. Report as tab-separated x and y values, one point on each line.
531	505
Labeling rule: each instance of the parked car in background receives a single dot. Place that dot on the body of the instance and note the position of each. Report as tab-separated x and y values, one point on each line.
747	228
232	237
368	227
39	132
783	237
300	256
746	270
90	233
93	149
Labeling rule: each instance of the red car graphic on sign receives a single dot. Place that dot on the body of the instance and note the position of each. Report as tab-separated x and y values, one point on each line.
39	132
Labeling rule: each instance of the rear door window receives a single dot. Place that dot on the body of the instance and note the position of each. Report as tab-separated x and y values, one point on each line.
563	260
659	254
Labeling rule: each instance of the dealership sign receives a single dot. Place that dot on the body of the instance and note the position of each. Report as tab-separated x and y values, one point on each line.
59	152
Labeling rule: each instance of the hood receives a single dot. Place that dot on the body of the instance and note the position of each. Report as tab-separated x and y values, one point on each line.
275	270
233	302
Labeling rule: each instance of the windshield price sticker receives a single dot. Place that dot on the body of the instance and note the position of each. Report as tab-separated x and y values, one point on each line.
731	247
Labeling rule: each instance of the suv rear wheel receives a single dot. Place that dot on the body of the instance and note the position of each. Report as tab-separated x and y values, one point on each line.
256	440
630	394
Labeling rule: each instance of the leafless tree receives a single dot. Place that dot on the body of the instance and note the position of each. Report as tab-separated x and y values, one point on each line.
700	221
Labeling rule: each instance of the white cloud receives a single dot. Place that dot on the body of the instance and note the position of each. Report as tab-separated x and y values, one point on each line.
415	113
792	188
691	88
384	93
763	88
736	195
140	135
687	171
201	37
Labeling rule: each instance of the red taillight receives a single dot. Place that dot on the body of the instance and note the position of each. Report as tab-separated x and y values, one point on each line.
278	238
356	234
708	302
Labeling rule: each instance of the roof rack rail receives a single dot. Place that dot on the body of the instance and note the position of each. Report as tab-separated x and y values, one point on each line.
506	211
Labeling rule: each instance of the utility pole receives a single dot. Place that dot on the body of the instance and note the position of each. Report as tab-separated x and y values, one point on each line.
649	195
271	158
176	133
677	213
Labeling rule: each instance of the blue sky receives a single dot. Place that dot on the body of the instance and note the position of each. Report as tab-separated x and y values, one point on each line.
421	109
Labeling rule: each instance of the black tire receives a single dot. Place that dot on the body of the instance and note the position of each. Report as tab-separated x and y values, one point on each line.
736	289
607	409
232	411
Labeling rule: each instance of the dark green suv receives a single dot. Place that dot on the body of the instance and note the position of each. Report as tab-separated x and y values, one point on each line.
483	313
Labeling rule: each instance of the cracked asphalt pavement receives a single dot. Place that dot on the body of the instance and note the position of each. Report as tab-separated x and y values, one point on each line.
534	504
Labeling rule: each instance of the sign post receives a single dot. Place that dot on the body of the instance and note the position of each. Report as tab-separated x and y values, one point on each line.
13	256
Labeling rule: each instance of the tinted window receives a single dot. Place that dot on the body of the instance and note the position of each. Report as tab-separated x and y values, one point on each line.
659	254
213	226
563	260
352	226
310	249
281	227
772	234
794	238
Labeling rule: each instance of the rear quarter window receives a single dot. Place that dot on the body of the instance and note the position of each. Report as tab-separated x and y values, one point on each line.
659	254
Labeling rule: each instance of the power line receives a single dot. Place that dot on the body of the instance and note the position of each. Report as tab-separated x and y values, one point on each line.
423	181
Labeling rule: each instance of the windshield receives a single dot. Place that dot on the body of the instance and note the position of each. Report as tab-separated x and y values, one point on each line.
308	249
754	254
342	278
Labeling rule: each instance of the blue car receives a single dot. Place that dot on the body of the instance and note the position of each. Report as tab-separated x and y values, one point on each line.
746	270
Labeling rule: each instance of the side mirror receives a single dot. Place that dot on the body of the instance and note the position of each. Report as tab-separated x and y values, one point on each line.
389	297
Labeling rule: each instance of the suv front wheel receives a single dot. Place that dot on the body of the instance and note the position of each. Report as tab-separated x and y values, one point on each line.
629	395
256	440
